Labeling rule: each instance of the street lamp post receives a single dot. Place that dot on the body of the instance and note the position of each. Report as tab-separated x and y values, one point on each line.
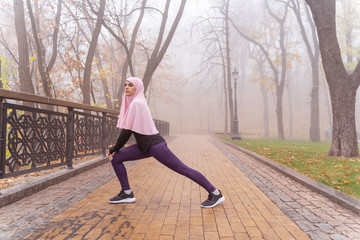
236	135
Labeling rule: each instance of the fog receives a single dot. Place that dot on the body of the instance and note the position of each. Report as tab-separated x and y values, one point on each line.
187	89
202	104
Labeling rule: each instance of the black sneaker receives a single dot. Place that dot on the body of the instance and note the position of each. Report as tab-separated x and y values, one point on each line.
122	197
213	200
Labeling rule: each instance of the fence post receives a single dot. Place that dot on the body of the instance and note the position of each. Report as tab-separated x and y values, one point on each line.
70	137
2	138
104	143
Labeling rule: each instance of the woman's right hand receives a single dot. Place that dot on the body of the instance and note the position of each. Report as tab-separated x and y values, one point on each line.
111	156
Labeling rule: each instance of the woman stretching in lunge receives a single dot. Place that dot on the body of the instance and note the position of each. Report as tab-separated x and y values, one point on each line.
135	118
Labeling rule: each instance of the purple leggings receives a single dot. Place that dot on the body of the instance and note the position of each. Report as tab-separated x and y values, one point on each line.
161	153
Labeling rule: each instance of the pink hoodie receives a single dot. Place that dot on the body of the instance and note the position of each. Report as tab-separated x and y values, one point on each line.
134	113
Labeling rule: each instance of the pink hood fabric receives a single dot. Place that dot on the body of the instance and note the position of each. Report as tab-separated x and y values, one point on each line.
134	112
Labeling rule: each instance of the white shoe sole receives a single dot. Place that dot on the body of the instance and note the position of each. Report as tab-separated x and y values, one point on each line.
218	201
126	200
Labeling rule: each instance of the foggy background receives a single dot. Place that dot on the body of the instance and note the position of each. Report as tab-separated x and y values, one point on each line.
201	109
188	92
201	98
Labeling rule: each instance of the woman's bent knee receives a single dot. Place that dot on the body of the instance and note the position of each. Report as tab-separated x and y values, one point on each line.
117	158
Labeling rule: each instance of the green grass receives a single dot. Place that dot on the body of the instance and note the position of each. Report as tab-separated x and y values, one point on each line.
310	159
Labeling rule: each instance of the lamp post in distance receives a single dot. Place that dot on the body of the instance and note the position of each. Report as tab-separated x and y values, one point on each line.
236	135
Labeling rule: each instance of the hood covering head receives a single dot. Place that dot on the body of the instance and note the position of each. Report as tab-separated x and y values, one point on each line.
134	112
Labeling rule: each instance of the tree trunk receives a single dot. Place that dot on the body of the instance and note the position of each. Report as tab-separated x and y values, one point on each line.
342	85
55	37
226	102
315	108
344	139
314	130
26	84
104	81
45	78
290	112
91	53
279	112
159	51
266	113
228	67
92	93
280	85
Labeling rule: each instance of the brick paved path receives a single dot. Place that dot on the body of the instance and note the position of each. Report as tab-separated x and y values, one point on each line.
167	206
27	214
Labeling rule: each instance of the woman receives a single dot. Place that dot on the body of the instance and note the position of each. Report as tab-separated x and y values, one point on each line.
135	118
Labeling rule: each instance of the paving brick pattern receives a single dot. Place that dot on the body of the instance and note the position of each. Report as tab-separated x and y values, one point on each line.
28	214
168	204
316	215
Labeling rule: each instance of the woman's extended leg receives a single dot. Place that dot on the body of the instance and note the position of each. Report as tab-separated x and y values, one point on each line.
163	154
130	153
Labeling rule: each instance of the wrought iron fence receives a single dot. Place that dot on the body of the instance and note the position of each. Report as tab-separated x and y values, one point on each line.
34	139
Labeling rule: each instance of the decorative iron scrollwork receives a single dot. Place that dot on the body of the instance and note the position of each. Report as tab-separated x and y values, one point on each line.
35	138
112	132
87	135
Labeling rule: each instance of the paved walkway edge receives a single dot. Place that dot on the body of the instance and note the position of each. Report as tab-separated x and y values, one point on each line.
334	195
15	193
